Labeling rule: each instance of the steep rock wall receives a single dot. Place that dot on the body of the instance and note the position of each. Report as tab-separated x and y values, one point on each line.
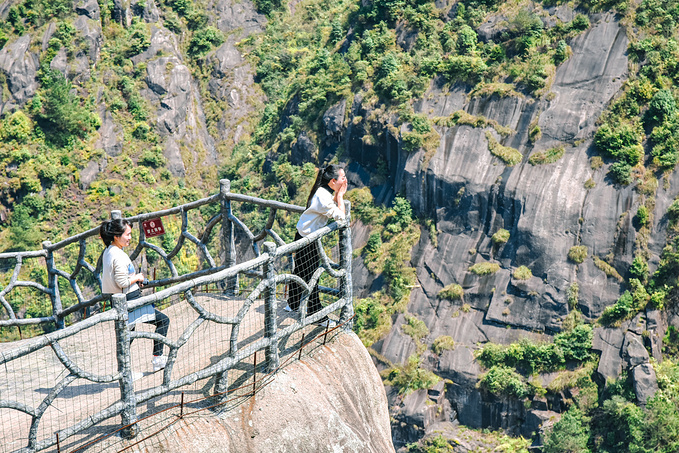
546	208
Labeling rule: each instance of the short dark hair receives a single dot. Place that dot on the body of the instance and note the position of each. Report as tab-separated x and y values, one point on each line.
109	229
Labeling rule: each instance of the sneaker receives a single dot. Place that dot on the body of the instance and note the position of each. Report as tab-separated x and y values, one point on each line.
136	375
159	362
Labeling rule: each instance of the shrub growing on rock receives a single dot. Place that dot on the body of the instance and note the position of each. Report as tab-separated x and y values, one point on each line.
451	292
442	344
415	328
522	273
547	157
609	270
501	236
410	377
484	268
577	254
502	380
509	155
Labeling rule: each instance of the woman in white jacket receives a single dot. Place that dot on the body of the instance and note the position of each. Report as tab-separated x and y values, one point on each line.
118	276
325	202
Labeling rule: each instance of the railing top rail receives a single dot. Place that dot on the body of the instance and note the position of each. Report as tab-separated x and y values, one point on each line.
27	254
137	218
266	203
174	210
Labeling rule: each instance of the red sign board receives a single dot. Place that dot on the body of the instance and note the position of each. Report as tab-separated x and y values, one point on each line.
153	227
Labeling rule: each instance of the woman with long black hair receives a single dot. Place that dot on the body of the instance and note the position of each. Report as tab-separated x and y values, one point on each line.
118	276
325	202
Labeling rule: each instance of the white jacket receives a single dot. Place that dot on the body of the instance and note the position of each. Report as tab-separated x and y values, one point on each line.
116	271
321	209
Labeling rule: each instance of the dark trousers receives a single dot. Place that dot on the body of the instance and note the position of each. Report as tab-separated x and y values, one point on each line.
306	263
162	323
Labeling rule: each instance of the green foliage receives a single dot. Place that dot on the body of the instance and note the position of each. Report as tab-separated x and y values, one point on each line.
534	135
442	344
530	357
153	157
509	156
577	253
415	328
662	107
138	38
410	377
63	113
16	127
548	157
437	444
451	292
502	380
570	434
484	268
464	68
673	211
658	15
371	320
501	236
573	295
665	139
522	273
624	308
622	141
402	215
576	344
642	217
562	52
609	270
374	245
623	422
466	40
204	40
24	233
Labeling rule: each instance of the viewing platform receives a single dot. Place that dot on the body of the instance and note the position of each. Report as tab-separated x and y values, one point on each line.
84	387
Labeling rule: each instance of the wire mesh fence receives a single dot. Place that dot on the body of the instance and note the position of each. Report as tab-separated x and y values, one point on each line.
90	383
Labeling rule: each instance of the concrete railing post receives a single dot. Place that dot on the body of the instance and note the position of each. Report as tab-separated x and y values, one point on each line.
53	286
129	399
346	290
228	240
270	312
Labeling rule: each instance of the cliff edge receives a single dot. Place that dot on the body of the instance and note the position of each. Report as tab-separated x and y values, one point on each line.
332	400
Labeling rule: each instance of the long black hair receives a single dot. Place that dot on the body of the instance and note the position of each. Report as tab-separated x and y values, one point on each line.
324	177
112	228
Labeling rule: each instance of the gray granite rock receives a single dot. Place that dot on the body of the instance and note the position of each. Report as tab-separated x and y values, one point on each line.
88	174
333	118
645	382
88	8
19	65
634	351
110	135
609	343
303	150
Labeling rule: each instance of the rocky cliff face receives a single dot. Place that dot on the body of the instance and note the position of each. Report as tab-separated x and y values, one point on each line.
547	209
332	401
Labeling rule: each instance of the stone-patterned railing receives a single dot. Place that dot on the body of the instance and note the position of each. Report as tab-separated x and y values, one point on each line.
90	238
262	268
